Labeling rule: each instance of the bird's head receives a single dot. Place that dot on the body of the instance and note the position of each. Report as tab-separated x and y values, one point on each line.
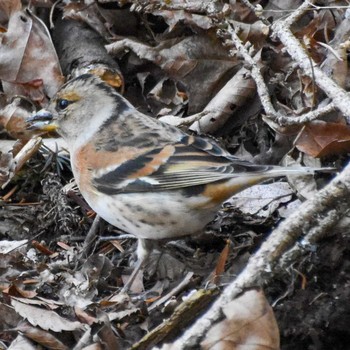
79	108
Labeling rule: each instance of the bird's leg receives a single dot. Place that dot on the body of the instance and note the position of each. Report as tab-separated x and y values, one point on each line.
143	251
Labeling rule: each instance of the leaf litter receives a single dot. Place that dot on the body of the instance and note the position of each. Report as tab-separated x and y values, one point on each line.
176	58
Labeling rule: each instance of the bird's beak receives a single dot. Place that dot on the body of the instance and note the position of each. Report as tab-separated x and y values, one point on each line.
42	121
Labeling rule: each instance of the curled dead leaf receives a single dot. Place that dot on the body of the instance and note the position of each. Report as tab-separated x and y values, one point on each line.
249	324
320	139
41	337
46	319
7	7
28	61
13	118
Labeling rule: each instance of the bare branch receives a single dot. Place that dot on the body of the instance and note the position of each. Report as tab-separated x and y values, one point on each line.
263	92
281	29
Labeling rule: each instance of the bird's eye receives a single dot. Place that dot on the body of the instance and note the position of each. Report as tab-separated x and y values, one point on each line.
62	104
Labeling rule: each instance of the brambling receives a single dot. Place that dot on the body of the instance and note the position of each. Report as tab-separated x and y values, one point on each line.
139	174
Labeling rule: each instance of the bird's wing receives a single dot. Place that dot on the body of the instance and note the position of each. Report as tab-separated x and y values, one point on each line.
193	161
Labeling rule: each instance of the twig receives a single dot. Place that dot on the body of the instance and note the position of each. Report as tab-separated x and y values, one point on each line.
282	120
271	113
90	238
255	72
281	29
257	10
28	150
173	292
314	235
182	316
297	13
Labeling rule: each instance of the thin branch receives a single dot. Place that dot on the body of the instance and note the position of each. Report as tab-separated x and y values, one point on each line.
314	235
272	114
297	13
282	120
281	29
28	150
256	73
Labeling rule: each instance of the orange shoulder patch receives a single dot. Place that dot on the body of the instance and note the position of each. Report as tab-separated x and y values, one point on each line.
157	160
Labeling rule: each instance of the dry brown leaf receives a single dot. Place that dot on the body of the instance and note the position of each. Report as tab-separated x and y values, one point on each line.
262	200
188	60
7	7
172	18
106	334
275	9
249	325
166	98
336	64
315	31
45	319
42	248
6	160
220	265
255	33
47	303
22	343
28	61
84	317
117	245
309	90
13	118
8	317
41	337
78	10
115	299
16	290
8	246
319	139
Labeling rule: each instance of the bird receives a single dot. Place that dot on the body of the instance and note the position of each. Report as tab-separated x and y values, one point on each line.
139	174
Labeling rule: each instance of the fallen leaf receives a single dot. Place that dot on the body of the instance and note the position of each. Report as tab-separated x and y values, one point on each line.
16	290
41	337
249	325
187	60
22	343
8	317
14	115
8	246
172	18
6	161
84	317
42	248
46	319
7	7
106	334
262	200
320	139
220	265
28	61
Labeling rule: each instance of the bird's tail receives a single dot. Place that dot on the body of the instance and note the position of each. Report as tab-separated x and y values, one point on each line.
276	171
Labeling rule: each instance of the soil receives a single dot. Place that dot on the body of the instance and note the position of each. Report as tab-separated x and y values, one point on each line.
316	315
